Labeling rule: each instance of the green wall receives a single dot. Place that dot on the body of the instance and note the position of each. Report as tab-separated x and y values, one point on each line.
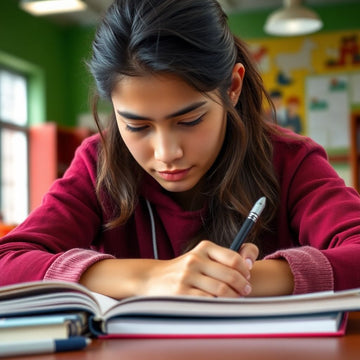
249	25
79	46
54	55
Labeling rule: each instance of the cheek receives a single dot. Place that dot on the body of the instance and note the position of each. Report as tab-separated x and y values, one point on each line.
137	148
210	140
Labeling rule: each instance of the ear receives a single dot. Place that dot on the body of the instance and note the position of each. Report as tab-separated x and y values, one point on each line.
236	82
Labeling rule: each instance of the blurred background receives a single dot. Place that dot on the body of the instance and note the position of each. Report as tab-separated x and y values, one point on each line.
308	53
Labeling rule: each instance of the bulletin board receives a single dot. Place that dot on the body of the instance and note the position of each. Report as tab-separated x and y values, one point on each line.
329	102
299	71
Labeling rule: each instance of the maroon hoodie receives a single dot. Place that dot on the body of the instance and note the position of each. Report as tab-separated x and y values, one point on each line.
317	229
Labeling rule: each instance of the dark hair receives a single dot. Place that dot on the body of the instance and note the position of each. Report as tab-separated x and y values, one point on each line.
189	39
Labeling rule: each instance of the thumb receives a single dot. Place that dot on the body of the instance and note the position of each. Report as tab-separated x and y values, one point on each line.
249	252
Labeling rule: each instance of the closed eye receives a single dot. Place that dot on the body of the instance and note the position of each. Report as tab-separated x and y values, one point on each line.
136	128
192	123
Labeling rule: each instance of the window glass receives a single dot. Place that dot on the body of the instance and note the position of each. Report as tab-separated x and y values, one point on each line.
14	178
13	98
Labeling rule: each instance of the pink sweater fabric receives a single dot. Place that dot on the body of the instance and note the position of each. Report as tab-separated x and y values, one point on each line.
317	229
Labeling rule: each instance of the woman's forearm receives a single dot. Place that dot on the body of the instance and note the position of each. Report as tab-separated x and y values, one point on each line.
271	278
120	278
206	270
117	278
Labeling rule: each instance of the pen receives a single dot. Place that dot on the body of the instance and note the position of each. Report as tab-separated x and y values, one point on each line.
17	348
248	223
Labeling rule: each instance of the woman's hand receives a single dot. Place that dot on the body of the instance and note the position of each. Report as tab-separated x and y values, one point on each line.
207	270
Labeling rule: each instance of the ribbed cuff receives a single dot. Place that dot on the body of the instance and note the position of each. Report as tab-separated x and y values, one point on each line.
73	263
311	269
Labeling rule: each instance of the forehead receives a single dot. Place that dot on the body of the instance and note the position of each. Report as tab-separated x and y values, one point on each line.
157	84
155	95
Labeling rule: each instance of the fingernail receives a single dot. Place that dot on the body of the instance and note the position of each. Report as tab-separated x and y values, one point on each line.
249	263
247	289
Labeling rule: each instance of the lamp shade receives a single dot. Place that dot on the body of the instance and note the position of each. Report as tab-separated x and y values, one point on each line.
49	7
293	19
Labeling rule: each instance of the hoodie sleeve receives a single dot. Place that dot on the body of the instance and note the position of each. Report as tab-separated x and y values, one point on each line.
321	216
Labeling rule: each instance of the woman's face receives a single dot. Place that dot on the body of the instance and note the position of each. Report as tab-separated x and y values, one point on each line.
174	132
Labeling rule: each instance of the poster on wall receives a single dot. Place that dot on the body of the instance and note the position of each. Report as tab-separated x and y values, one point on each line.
314	82
328	110
355	88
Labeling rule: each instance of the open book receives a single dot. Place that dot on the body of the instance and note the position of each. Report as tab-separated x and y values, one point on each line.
316	314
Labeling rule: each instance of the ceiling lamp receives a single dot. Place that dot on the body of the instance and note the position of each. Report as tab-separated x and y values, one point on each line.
293	19
49	7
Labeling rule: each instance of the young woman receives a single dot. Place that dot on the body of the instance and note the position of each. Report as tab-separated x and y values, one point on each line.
151	205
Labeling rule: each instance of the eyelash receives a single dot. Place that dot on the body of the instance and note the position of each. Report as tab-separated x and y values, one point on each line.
193	123
187	123
135	129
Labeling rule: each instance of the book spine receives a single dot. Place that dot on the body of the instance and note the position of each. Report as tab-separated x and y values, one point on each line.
96	326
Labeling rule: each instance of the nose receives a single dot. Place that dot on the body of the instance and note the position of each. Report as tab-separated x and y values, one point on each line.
167	147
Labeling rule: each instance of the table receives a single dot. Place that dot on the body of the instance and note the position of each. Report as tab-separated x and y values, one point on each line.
324	348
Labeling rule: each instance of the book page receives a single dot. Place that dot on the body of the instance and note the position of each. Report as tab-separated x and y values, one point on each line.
106	303
61	296
320	302
50	296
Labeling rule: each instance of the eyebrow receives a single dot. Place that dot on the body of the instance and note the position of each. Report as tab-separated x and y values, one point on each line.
185	110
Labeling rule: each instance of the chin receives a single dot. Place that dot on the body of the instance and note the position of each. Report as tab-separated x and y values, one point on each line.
176	187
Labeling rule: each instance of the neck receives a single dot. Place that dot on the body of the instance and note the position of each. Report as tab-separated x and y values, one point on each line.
190	200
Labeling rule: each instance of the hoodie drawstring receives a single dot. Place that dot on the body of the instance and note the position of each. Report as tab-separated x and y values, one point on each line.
153	230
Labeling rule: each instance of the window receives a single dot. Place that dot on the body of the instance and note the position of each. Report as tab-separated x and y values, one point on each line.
14	177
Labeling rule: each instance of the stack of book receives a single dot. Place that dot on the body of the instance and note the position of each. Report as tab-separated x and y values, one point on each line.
45	326
33	331
55	309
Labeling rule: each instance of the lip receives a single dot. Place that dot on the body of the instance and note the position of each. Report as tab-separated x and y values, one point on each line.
174	175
